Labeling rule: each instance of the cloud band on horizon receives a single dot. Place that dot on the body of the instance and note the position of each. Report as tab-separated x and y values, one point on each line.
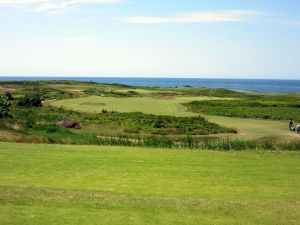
216	16
213	16
50	5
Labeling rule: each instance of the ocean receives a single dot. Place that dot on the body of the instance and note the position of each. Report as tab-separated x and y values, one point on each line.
271	86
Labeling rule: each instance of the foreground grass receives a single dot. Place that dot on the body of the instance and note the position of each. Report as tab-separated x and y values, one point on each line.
36	206
52	184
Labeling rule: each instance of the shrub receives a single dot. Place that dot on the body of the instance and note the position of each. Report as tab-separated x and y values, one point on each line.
52	128
30	101
9	96
5	105
30	122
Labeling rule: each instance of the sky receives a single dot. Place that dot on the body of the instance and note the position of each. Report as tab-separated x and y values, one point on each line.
151	38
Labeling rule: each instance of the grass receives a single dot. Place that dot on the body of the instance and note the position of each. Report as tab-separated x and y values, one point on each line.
165	101
247	128
42	120
157	106
120	185
263	109
65	184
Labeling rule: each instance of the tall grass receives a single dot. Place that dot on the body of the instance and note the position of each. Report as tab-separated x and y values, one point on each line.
238	145
58	135
29	123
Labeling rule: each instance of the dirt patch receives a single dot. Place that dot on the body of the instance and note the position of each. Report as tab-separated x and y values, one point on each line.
8	134
4	89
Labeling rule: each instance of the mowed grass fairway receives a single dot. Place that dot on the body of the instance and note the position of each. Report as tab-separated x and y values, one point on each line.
148	105
247	128
54	184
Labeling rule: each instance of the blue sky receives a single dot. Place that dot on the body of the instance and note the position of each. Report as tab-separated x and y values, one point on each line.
154	38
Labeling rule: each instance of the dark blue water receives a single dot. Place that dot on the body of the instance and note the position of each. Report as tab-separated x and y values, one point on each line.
276	86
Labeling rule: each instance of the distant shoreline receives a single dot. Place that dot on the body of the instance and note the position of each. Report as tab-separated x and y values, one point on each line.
252	85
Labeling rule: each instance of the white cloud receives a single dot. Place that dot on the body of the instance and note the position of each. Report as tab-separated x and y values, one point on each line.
200	17
21	2
217	16
66	4
50	5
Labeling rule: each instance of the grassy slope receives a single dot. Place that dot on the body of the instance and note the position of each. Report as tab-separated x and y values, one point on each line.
119	185
248	128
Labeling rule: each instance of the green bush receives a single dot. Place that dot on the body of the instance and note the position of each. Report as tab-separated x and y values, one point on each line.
30	101
9	96
5	106
111	93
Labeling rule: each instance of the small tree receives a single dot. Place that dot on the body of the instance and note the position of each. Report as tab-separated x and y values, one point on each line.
30	101
159	123
36	101
5	105
9	96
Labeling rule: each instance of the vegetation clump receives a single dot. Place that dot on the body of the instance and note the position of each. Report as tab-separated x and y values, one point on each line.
110	93
9	96
5	105
262	109
30	101
69	124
